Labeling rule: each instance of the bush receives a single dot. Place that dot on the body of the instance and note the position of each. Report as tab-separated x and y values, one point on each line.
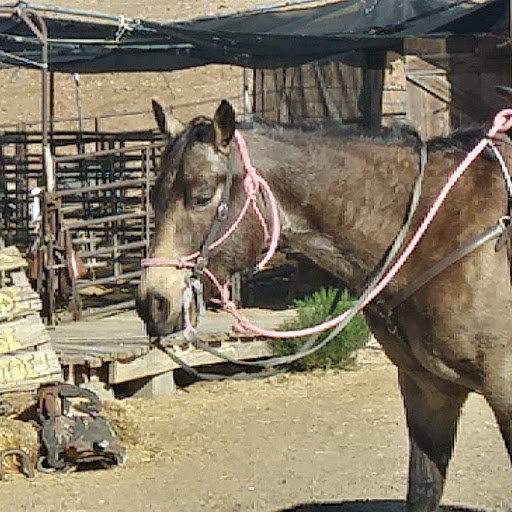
312	310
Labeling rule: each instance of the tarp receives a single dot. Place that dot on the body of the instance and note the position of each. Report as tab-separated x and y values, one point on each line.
266	38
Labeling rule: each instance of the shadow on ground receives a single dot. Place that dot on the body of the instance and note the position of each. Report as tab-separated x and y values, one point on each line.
365	506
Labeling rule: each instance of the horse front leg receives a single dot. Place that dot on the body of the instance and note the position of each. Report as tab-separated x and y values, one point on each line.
497	392
432	413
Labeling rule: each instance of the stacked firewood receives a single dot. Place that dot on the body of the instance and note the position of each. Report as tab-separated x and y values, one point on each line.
27	358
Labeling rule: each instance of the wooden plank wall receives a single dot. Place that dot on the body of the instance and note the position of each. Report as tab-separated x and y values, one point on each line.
27	358
312	92
450	82
435	85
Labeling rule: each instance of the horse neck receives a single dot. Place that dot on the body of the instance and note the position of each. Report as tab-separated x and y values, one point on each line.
341	202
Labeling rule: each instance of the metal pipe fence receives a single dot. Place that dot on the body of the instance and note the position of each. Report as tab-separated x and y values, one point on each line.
99	213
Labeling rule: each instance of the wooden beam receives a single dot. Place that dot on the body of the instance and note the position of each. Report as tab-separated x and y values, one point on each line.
371	93
467	44
461	54
156	361
27	370
456	63
468	103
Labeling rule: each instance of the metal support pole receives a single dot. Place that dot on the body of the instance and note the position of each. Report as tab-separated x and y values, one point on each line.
245	95
50	212
52	108
147	201
38	26
78	100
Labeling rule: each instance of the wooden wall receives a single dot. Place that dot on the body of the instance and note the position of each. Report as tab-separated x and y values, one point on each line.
435	85
450	82
319	91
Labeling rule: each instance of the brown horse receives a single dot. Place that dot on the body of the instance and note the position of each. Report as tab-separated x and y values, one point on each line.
342	196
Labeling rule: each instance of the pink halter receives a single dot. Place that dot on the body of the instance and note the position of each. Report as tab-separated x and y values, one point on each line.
252	183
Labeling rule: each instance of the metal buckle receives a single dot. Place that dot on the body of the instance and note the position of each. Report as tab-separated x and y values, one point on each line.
222	211
200	265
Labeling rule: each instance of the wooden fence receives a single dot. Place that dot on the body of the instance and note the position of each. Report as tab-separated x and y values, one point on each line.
330	90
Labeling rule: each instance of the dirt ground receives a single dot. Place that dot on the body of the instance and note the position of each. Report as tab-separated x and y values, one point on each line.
335	439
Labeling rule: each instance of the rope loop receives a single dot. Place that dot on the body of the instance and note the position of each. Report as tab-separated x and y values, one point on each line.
251	184
502	122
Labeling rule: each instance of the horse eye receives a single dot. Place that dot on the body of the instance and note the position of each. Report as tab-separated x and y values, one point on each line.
200	201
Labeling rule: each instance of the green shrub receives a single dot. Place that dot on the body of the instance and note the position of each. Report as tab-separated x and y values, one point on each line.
312	310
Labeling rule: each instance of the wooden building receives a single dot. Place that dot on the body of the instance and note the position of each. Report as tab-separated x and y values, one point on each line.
435	85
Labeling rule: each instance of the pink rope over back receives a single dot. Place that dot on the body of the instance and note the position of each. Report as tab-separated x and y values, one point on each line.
502	123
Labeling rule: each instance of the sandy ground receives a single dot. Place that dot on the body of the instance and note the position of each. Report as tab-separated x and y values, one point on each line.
336	440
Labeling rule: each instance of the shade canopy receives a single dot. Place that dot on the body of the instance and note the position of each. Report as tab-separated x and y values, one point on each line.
263	38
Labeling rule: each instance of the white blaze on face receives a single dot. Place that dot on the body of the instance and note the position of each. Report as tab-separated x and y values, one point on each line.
214	158
211	163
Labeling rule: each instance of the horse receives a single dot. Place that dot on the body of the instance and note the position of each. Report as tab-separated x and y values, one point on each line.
342	195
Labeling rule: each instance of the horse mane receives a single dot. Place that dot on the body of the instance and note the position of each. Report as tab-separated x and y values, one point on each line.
200	129
462	141
397	134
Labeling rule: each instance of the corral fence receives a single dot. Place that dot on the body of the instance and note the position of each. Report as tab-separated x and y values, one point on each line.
86	239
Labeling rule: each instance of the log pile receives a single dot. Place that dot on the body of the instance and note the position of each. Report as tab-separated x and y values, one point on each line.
27	358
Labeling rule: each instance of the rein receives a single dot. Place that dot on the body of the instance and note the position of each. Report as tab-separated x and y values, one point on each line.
498	231
253	181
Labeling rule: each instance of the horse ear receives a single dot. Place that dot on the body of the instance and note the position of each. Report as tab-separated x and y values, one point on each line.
223	125
165	120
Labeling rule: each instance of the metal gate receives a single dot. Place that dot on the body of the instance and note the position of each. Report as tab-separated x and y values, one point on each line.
86	238
102	208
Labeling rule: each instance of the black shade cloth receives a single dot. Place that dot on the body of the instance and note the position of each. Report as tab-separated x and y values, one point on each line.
267	38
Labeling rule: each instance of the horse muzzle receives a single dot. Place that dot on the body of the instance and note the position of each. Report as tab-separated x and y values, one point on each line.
168	310
155	311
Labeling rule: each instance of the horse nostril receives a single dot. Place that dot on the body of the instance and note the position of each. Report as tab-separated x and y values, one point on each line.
158	307
157	312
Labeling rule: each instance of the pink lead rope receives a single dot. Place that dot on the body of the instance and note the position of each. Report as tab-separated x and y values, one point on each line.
252	181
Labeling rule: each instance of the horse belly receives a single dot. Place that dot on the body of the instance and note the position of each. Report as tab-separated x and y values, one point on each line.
461	322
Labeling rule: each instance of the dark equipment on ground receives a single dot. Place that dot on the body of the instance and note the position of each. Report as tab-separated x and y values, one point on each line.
73	434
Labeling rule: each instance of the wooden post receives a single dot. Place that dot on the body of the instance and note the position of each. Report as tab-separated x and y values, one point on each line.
373	80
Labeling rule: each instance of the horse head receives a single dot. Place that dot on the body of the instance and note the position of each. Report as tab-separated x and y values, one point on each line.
197	194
